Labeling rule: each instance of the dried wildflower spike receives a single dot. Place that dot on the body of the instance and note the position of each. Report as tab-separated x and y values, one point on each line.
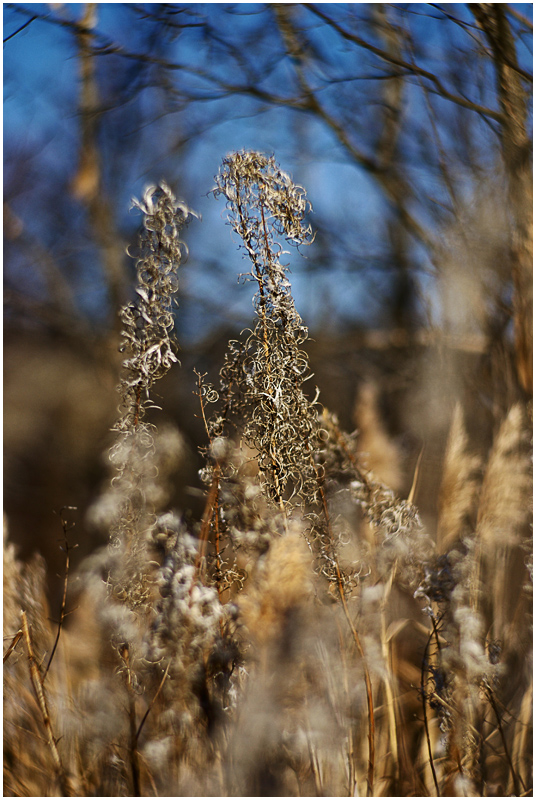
149	347
148	322
262	378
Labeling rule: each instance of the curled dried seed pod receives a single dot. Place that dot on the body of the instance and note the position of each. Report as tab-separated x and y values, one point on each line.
263	377
147	338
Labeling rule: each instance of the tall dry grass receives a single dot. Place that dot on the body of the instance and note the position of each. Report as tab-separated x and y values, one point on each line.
307	636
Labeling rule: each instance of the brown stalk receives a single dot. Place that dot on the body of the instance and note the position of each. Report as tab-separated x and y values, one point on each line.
390	681
39	689
14	642
267	353
515	777
313	762
521	744
259	280
262	296
66	548
138	408
133	727
210	514
425	714
351	458
352	780
153	701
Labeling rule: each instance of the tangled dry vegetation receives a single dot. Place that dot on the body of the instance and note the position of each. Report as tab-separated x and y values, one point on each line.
307	636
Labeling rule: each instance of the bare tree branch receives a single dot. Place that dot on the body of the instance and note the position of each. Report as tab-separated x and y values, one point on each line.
517	152
19	30
441	90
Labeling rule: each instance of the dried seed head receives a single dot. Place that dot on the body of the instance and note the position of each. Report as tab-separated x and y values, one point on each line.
147	337
262	378
253	180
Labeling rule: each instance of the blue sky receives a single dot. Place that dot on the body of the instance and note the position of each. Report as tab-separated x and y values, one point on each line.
40	111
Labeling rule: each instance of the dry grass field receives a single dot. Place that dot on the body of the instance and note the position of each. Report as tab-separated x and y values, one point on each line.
311	632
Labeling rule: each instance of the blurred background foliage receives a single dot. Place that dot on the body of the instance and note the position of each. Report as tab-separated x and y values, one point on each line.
409	125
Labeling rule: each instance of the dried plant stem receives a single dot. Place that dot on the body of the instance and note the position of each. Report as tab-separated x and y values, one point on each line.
268	256
359	646
425	712
39	689
352	778
515	778
351	457
522	738
66	549
389	680
211	512
269	369
315	767
261	287
153	701
217	539
138	409
14	642
133	727
134	759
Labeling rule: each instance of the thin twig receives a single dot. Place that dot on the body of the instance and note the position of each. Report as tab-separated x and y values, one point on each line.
39	689
208	517
211	511
66	549
515	777
425	714
22	27
133	743
14	642
412	69
153	701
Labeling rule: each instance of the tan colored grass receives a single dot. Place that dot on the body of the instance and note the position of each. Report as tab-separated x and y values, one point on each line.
377	448
459	486
278	646
506	490
281	586
503	516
